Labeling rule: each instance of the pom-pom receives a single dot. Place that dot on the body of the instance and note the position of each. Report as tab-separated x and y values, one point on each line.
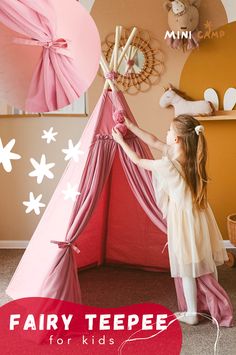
118	116
121	128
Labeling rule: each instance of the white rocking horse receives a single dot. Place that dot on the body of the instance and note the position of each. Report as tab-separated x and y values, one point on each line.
172	97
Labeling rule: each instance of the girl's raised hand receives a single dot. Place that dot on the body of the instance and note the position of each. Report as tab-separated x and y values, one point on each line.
117	136
127	122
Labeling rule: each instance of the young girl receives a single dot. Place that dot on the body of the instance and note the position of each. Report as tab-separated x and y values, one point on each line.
180	180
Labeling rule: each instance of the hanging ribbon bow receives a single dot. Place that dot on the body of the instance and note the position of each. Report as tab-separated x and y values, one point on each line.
59	45
130	63
65	245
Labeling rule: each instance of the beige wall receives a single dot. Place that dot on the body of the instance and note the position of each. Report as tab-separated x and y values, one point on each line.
15	224
15	187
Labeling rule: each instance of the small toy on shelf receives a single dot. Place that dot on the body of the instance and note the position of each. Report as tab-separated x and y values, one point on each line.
229	100
212	96
173	97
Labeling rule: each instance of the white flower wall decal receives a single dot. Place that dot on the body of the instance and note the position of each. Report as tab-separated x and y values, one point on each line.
73	151
41	169
6	155
33	204
49	135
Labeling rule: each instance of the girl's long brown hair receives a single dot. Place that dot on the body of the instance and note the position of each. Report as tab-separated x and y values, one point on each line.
195	149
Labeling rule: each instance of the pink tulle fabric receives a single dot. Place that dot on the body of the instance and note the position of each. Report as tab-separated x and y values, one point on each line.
211	299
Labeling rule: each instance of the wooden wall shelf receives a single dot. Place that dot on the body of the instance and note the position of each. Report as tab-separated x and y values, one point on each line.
219	116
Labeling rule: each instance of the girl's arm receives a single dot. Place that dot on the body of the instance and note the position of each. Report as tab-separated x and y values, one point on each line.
143	163
146	137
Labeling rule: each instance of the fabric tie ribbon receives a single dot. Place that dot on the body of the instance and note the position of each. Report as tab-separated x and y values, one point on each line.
112	75
130	63
65	245
59	45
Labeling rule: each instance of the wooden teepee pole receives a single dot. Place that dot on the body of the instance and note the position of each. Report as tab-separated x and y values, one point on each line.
116	47
129	40
114	58
106	70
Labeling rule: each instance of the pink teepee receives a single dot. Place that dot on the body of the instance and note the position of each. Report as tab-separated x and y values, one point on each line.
114	220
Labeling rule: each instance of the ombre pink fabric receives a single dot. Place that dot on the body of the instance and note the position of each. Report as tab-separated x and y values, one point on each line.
211	299
55	82
114	220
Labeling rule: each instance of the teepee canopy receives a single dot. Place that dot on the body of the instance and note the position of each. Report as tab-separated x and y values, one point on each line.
115	218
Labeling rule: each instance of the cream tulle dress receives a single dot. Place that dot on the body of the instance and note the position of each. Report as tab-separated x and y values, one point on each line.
195	243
